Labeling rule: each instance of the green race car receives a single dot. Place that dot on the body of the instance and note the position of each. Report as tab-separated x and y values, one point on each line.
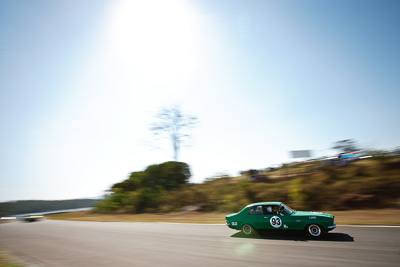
276	215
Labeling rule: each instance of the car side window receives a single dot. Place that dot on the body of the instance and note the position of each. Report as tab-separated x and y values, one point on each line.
256	210
259	210
271	209
252	211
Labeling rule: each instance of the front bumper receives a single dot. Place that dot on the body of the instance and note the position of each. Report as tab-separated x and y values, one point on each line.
332	227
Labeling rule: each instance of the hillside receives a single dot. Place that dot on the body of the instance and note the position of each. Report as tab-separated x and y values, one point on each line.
364	184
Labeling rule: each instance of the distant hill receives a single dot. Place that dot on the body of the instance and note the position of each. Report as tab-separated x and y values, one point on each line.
37	206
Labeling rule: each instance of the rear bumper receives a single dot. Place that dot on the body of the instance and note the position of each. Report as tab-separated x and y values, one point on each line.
231	226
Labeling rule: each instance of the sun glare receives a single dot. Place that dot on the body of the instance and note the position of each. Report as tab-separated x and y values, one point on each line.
153	38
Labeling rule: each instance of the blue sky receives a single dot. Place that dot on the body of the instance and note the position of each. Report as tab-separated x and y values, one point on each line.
81	81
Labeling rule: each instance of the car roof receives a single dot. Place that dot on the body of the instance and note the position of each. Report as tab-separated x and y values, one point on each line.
264	203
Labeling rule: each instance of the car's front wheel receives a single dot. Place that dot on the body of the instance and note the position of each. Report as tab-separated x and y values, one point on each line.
248	230
314	230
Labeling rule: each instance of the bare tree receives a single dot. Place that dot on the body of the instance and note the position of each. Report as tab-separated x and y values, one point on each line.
175	124
347	145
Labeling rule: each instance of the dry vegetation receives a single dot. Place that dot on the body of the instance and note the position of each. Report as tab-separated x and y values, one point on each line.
366	184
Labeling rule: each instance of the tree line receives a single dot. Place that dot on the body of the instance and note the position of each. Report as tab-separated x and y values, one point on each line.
38	206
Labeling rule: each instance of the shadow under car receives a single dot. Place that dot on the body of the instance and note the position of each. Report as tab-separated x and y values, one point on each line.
296	236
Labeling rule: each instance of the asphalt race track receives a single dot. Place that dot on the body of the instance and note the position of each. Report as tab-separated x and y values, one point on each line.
69	243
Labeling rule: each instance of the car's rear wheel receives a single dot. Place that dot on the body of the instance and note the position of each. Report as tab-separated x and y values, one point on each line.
248	230
315	230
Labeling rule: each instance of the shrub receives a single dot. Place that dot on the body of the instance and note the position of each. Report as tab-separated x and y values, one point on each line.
353	200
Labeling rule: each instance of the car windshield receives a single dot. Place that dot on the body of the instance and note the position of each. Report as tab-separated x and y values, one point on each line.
287	210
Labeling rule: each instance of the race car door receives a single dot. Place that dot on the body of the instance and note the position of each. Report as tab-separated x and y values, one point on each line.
272	218
256	217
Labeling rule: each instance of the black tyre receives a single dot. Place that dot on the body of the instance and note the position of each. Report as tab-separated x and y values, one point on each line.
248	230
315	230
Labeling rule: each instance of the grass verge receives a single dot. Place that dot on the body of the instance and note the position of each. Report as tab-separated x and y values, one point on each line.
204	218
353	217
7	259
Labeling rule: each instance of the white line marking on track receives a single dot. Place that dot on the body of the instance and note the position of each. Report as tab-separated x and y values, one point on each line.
340	225
372	226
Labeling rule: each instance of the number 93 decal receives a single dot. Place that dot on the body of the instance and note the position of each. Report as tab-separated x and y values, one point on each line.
276	222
